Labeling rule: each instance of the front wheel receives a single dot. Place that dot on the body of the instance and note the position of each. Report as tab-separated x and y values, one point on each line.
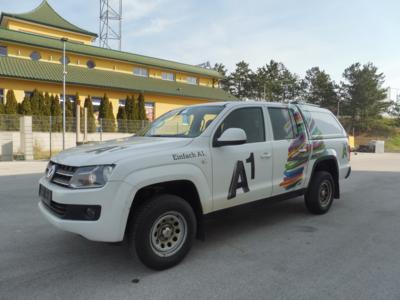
163	231
320	193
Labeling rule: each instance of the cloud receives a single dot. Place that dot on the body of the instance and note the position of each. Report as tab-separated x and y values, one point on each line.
137	9
153	26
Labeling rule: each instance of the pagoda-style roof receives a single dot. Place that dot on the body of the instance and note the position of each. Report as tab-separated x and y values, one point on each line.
44	14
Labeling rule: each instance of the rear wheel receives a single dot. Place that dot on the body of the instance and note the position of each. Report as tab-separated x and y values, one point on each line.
163	231
320	194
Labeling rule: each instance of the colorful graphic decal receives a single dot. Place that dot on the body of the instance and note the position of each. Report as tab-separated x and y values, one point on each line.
345	153
318	146
294	167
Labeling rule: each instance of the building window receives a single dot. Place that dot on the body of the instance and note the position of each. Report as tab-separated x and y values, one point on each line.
140	72
67	60
149	106
3	51
28	94
91	64
71	98
191	80
121	102
167	76
96	104
1	96
35	56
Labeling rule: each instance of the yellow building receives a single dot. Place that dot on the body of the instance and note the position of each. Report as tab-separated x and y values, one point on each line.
31	58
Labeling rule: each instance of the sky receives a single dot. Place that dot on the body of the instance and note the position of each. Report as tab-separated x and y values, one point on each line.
301	34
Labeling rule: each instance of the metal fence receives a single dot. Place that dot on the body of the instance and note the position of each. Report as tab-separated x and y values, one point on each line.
48	137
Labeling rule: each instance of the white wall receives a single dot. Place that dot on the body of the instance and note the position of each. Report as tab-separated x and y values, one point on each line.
42	139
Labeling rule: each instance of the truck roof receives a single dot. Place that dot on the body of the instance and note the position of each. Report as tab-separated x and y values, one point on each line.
304	106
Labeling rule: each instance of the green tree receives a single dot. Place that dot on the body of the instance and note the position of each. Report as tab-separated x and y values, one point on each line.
240	82
69	115
11	108
103	108
25	108
364	95
135	113
2	109
224	82
320	89
35	103
274	82
121	119
110	118
91	121
56	115
394	111
141	108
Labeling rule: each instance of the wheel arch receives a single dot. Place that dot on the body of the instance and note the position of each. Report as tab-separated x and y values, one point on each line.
330	164
183	188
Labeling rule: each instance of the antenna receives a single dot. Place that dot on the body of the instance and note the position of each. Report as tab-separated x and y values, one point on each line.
205	65
110	23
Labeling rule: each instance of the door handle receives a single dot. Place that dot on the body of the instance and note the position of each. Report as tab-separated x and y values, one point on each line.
265	155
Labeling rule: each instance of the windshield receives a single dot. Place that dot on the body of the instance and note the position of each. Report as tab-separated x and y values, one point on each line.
187	122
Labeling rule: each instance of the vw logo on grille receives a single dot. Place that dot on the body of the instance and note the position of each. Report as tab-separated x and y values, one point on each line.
50	172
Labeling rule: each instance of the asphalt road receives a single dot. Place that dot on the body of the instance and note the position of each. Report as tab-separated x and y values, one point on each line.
272	251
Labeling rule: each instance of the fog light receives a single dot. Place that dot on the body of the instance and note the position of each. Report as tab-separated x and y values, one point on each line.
91	213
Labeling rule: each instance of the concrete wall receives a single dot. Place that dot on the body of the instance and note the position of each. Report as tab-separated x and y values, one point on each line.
42	139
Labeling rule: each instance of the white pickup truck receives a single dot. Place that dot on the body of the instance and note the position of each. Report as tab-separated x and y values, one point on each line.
155	188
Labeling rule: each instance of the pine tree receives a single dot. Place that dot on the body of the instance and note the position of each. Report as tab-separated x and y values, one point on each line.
56	113
35	102
135	113
91	122
69	115
76	104
141	108
103	108
11	108
2	109
122	122
25	108
110	118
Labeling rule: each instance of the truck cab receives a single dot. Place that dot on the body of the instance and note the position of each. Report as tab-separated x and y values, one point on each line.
156	187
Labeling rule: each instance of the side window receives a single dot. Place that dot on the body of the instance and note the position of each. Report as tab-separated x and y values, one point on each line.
282	123
326	125
251	120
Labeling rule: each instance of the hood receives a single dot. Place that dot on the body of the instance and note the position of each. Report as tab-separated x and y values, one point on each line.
114	150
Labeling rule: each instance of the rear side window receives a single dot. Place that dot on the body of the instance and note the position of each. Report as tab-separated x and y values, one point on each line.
250	119
323	125
282	123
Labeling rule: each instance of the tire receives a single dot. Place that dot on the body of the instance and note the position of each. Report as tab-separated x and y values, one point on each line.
320	193
162	231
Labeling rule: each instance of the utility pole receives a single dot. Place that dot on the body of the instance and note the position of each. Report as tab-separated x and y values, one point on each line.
64	40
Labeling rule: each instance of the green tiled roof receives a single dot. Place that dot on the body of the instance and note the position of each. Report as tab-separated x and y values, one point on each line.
44	14
92	51
12	67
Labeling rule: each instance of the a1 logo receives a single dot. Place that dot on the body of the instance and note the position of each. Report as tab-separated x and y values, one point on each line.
239	178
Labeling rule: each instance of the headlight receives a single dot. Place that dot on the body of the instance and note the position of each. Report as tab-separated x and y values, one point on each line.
91	177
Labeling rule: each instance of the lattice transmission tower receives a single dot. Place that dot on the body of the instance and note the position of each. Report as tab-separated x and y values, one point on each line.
110	23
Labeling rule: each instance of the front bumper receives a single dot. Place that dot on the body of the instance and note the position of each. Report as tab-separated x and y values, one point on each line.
114	199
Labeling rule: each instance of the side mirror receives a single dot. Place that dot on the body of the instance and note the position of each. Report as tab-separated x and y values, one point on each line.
231	136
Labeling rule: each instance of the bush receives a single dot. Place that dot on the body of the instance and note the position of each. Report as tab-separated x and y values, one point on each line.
121	118
91	122
11	108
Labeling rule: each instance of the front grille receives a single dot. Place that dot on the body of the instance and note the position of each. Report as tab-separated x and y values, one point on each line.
63	174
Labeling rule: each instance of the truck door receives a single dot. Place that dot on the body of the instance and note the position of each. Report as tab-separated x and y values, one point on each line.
290	149
242	173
